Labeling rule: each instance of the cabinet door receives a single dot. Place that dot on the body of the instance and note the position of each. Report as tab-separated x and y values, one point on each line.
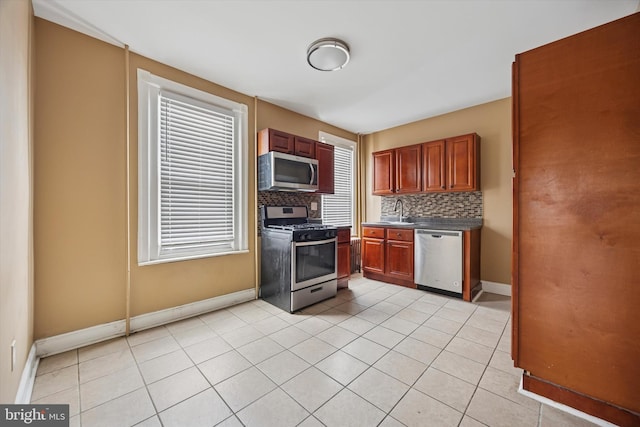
400	259
409	169
433	166
326	177
277	141
373	255
304	147
384	172
344	260
461	163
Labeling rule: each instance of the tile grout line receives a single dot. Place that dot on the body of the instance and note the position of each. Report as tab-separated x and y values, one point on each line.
368	305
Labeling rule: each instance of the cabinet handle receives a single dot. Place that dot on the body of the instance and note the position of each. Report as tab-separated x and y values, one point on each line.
451	186
443	187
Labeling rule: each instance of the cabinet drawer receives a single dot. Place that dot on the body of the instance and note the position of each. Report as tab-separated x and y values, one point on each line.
375	232
399	234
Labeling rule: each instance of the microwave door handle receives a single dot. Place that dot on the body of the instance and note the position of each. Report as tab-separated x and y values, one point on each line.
313	173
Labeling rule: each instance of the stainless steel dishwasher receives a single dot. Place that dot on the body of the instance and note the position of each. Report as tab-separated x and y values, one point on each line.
438	261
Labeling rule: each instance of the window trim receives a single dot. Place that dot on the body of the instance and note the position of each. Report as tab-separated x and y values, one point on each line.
149	88
337	141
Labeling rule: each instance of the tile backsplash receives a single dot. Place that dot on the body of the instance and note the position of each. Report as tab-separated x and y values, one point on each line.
436	205
288	198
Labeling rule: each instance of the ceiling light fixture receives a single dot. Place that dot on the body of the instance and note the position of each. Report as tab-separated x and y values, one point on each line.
328	54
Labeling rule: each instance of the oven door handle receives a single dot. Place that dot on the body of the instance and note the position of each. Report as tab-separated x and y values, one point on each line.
315	242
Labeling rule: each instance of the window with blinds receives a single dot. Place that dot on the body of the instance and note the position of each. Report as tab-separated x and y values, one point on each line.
196	175
192	186
338	208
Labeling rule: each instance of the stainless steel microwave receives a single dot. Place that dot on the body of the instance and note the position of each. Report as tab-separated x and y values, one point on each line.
285	172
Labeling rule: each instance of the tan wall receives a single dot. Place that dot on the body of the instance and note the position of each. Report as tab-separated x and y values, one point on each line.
80	197
155	287
80	220
273	116
16	171
492	121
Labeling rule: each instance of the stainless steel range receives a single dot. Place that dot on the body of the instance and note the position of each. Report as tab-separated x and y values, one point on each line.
298	258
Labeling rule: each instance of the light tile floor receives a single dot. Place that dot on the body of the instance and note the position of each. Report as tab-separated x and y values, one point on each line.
375	355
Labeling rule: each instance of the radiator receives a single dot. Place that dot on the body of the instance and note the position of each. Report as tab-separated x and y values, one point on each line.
355	255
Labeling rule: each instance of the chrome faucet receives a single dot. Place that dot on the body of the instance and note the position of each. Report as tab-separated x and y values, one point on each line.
395	209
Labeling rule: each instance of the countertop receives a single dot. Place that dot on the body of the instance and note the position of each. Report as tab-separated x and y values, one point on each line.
429	223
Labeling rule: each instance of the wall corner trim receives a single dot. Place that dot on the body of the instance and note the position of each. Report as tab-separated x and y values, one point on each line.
496	288
23	396
94	334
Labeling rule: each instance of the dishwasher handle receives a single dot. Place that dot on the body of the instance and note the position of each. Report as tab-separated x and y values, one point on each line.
438	234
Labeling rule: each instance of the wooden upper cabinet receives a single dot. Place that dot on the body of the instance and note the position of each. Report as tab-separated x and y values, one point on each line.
275	140
397	170
463	158
283	142
324	153
451	164
409	169
433	166
384	172
304	147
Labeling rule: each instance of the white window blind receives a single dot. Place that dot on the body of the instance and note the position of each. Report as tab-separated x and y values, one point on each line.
196	175
338	208
192	172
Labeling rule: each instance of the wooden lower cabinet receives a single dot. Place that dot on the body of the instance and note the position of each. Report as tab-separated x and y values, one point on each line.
344	256
372	256
387	255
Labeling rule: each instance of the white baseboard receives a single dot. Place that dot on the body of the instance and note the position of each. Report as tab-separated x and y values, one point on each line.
496	288
564	408
80	338
162	317
23	396
83	337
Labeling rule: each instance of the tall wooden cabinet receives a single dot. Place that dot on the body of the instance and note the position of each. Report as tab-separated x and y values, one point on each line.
576	251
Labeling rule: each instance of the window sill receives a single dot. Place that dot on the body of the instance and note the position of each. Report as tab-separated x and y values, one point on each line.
179	258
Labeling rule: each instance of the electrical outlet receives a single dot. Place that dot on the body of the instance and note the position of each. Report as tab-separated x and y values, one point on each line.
13	354
314	206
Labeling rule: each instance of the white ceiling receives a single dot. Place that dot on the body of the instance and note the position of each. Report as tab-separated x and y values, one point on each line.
409	59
